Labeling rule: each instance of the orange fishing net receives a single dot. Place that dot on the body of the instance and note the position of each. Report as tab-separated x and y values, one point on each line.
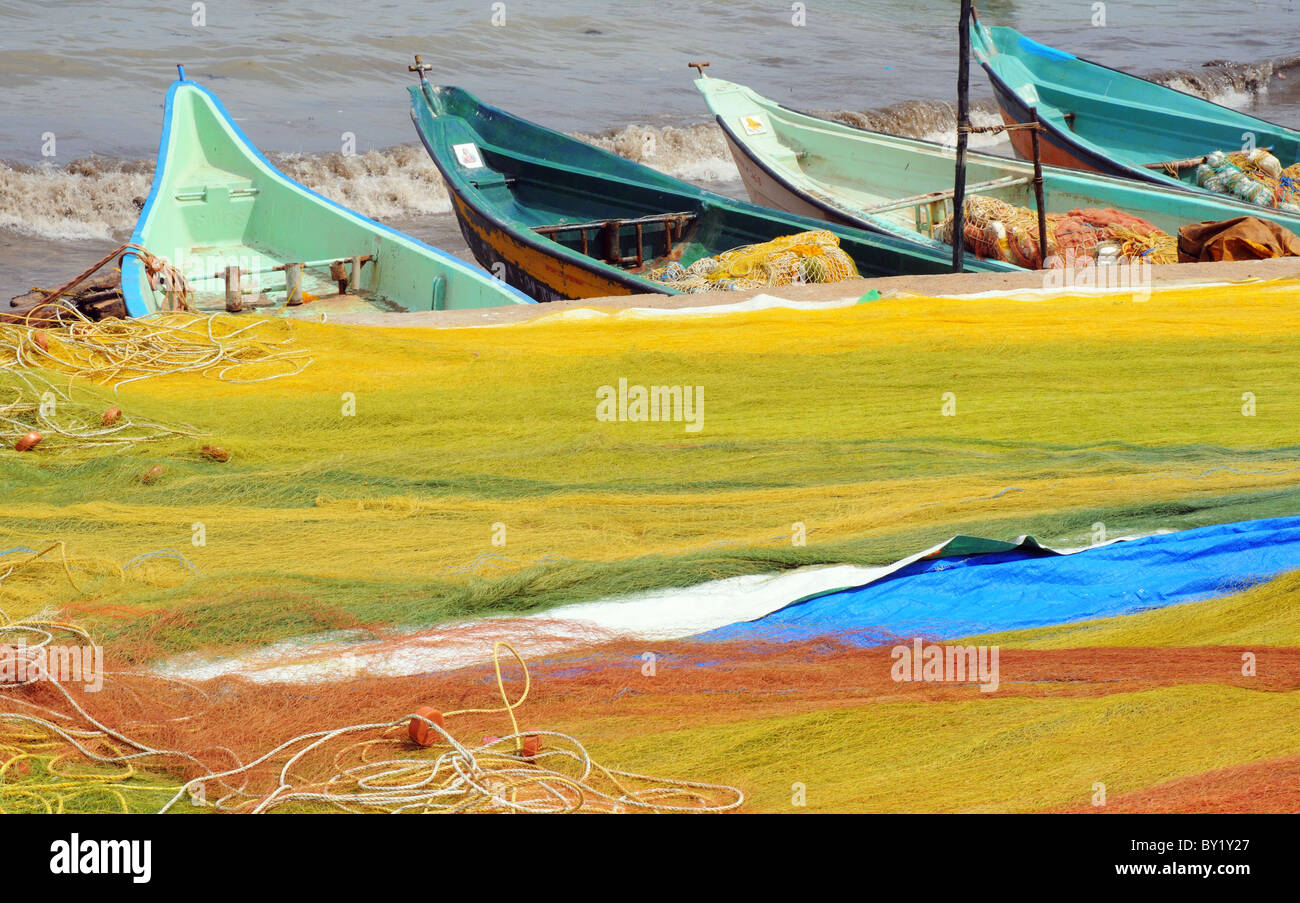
1081	237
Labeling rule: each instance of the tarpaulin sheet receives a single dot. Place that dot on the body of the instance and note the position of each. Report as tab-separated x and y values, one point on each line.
968	586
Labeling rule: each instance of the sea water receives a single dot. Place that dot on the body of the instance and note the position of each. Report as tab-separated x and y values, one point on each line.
320	86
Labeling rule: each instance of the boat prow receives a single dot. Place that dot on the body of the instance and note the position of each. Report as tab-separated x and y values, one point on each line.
564	219
814	166
247	237
1099	119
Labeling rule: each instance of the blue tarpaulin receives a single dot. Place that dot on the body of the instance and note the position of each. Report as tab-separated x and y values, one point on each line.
1025	585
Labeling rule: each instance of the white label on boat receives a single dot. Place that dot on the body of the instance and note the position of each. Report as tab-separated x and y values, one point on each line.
468	156
753	125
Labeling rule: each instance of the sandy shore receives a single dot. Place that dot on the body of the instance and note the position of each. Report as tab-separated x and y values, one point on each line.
1183	274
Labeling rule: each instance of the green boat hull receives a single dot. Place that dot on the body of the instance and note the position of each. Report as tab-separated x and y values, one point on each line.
218	203
559	218
1100	119
902	186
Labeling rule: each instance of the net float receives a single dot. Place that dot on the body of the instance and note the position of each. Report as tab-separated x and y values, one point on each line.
112	416
28	442
151	475
419	731
531	746
41	339
214	453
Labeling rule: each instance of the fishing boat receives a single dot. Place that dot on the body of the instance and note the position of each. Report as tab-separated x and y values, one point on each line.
1099	119
246	237
817	167
559	218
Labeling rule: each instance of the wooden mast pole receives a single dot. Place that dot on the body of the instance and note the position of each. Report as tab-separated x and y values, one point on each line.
963	132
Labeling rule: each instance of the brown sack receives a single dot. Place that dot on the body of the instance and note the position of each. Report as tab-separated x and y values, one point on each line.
1243	238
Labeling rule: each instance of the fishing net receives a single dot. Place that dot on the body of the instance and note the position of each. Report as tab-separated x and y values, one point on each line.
501	737
37	411
1256	177
789	260
411	480
412	477
1081	237
1268	787
116	352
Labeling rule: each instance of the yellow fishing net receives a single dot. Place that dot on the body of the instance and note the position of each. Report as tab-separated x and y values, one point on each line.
413	477
790	260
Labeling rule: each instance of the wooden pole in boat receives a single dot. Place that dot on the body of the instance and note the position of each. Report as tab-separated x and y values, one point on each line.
234	297
293	284
1038	189
963	133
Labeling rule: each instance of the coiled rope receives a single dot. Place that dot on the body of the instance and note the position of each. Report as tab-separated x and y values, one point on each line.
372	767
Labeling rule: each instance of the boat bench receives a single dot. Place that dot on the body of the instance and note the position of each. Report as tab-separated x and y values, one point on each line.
218	192
611	232
934	203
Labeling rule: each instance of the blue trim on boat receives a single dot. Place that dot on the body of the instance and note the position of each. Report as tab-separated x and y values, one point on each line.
1029	45
130	288
131	266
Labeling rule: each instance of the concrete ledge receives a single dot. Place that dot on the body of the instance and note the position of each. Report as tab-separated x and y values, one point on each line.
1167	276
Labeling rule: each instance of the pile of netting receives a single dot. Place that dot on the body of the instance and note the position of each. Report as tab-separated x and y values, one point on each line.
36	412
1083	237
1255	176
77	734
116	352
790	260
1111	698
369	487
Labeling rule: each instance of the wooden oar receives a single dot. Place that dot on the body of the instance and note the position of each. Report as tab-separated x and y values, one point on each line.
1188	163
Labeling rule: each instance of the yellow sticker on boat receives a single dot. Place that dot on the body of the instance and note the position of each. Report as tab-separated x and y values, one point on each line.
753	125
468	156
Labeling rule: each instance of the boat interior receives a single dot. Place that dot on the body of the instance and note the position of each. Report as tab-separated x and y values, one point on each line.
885	176
248	238
906	183
1125	114
243	277
640	228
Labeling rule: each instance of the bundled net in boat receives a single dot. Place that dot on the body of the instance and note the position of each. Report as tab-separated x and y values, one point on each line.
790	260
1255	176
1082	237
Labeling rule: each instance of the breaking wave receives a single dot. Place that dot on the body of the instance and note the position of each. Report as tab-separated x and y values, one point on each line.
95	198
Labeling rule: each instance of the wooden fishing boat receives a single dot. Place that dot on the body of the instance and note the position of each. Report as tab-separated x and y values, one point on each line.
818	167
1099	119
247	237
559	218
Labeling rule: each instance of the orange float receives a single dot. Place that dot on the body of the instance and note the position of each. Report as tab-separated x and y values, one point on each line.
419	731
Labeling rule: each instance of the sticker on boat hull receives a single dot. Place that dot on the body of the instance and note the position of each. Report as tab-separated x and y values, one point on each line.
467	155
753	125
